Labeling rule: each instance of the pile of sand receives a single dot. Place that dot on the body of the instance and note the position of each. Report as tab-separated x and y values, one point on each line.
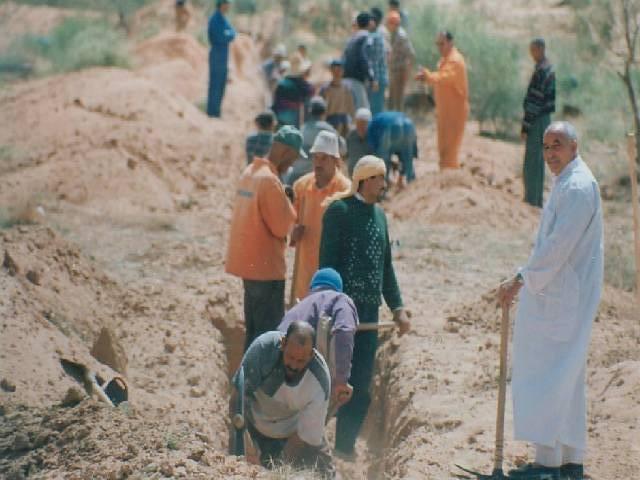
56	305
176	62
131	145
462	197
93	441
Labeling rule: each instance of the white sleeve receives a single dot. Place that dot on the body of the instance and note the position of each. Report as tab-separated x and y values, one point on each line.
312	418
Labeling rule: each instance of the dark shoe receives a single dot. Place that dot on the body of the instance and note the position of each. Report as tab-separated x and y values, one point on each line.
572	471
532	471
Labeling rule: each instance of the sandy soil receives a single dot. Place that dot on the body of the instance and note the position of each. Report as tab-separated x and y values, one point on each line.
127	187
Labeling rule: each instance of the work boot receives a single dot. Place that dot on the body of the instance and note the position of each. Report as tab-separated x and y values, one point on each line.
533	471
572	471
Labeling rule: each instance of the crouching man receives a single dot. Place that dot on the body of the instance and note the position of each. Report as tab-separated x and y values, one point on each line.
334	317
286	394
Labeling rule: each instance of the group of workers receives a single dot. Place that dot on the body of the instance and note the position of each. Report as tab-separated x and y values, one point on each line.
316	359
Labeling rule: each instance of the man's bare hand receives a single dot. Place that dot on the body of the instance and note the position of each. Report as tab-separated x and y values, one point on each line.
508	291
401	319
523	136
341	394
375	86
422	74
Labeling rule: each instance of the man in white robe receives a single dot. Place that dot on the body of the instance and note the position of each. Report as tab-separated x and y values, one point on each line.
560	288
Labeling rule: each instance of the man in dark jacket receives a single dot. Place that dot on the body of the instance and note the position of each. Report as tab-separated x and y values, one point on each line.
539	104
358	64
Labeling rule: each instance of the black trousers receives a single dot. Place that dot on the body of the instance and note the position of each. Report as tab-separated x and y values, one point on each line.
263	307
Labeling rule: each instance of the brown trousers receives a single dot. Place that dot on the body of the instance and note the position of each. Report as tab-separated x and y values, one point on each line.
397	85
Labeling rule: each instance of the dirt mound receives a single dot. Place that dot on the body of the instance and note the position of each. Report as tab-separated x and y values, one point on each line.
172	46
462	197
95	441
131	145
57	303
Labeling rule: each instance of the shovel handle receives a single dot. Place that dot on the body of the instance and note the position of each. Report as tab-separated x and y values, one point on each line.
369	327
502	388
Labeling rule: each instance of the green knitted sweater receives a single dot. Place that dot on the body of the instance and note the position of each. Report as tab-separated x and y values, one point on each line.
355	242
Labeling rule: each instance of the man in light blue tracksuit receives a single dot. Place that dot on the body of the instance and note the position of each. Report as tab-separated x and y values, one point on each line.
221	34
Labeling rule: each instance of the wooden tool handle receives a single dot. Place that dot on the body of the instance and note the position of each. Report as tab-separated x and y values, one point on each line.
369	327
502	389
296	260
633	176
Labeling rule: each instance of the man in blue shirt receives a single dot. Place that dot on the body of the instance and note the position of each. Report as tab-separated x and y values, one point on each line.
393	133
221	34
378	55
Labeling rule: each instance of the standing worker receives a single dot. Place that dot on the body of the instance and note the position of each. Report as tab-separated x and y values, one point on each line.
451	97
378	55
357	61
292	93
221	34
337	94
539	104
401	59
182	15
355	242
312	127
310	192
560	288
394	7
262	218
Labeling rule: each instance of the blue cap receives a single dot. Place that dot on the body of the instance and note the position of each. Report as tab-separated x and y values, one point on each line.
327	277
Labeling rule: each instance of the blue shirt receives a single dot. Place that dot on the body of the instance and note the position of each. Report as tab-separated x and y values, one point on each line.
221	34
395	126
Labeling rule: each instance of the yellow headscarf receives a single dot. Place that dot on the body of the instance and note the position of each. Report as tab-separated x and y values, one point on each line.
367	167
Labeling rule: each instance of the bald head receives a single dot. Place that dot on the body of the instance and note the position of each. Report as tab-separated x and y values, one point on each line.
301	333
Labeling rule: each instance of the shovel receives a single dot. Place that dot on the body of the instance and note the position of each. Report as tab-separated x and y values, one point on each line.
498	473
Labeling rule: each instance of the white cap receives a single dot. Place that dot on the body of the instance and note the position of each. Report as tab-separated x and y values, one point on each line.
363	114
280	50
326	142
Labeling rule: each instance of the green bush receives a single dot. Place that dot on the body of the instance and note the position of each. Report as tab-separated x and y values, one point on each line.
493	64
74	44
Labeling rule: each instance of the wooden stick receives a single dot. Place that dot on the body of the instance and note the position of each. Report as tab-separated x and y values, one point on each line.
631	150
502	389
296	261
369	327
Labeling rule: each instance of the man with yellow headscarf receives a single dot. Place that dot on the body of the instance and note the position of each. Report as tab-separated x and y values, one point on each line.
355	242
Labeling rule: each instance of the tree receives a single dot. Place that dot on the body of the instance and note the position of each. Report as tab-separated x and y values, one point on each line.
611	32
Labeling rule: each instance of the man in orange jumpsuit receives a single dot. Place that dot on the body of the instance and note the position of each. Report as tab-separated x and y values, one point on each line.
451	93
310	192
262	218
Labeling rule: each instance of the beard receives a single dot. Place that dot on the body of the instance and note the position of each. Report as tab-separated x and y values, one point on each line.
293	376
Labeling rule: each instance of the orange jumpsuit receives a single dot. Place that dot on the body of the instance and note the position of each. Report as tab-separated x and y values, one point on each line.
452	105
309	245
